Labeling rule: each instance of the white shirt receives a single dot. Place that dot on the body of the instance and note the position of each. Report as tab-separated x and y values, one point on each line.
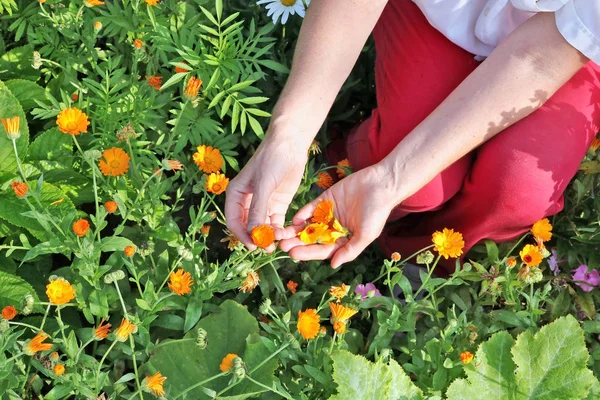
478	26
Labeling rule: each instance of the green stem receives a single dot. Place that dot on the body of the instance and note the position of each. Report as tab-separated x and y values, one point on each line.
212	200
516	245
284	395
169	274
135	370
25	325
404	261
196	385
270	357
121	298
45	316
12	358
102	360
81	349
428	275
61	324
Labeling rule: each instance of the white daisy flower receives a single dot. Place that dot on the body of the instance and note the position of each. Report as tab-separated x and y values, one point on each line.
283	8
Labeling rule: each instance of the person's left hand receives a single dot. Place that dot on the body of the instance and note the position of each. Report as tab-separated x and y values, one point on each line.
363	202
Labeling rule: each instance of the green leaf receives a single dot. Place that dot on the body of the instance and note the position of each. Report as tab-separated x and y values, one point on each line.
193	312
401	387
26	92
115	243
228	330
14	290
10	107
594	391
17	64
50	145
53	246
492	251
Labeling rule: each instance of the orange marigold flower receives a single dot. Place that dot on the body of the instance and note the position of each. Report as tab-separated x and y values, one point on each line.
208	159
152	2
531	255
20	188
511	262
339	327
314	233
54	356
72	121
9	312
179	70
339	291
59	369
466	357
595	145
340	171
74	97
114	162
325	180
227	362
542	230
172	165
93	3
323	213
41	1
60	291
231	240
180	282
263	236
124	330
137	43
396	256
81	227
216	183
154	384
292	286
308	323
250	283
129	251
36	344
448	243
97	25
155	81
205	229
11	127
192	88
111	206
101	332
340	312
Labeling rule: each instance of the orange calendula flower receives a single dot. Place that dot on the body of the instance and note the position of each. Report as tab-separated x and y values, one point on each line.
54	356
97	25
81	227
396	256
137	43
152	2
511	262
340	171
595	145
339	327
340	312
292	286
314	233
339	291
172	165
208	159
11	127
466	357
36	344
155	81
205	230
216	183
154	384
263	236
192	88
542	230
531	255
227	362
101	332
180	282
323	213
448	243
308	323
129	251
124	330
60	291
59	369
74	97
20	188
231	240
325	180
72	121
179	70
93	3
111	206
9	312
250	283
114	162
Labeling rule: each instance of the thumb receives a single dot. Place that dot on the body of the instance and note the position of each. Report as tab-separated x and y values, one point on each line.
349	251
261	194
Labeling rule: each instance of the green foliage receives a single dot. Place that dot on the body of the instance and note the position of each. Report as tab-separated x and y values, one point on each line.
10	107
549	365
14	290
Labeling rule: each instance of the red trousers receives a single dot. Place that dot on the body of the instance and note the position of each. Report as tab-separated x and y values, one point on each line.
499	190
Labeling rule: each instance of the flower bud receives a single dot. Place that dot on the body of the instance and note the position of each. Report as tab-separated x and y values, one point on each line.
146	248
36	61
201	338
425	257
114	277
92	155
28	303
265	307
185	253
3	325
197	188
287	317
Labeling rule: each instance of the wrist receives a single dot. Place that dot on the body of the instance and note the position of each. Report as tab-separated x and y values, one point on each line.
393	188
285	128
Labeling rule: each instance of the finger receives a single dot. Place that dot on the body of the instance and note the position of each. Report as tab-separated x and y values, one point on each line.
261	193
288	244
234	215
314	251
306	212
350	250
289	232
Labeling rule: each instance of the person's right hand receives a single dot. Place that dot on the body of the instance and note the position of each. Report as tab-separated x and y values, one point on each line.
262	192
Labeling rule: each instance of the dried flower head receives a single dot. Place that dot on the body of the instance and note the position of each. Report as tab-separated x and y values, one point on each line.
250	283
230	239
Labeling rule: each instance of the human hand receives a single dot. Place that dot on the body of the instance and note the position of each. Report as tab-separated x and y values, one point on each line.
362	201
262	192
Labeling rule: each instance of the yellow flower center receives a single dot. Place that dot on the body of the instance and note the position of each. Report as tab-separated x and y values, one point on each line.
288	3
114	164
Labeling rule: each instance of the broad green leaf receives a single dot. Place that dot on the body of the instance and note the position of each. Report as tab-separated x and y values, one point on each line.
16	64
358	378
10	107
50	145
494	376
552	364
594	393
401	387
27	92
229	330
14	290
115	243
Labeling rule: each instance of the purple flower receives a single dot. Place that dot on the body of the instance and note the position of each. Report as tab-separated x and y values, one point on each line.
553	262
363	291
591	278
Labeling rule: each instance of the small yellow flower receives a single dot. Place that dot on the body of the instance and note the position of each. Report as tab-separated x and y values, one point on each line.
542	230
216	183
54	356
396	256
227	362
11	127
251	282
92	3
154	384
339	291
339	327
511	262
59	369
180	282
36	344
314	233
124	330
308	323
531	255
72	121
152	2
137	43
97	25
60	291
448	243
466	357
